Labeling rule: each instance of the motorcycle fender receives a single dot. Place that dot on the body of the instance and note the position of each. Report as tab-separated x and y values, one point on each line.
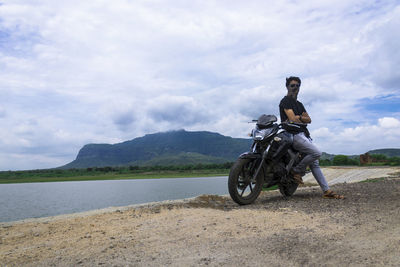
250	155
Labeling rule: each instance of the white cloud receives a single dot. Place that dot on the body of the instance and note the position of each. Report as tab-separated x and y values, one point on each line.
389	123
384	134
78	72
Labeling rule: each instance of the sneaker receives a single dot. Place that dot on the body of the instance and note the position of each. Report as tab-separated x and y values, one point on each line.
297	177
332	195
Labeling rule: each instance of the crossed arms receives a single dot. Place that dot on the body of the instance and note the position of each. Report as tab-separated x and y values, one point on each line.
303	118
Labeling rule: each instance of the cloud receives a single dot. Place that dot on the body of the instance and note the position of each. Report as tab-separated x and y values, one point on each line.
384	53
389	123
78	72
384	134
3	112
179	110
124	120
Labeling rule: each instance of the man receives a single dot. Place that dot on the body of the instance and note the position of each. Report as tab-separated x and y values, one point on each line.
292	110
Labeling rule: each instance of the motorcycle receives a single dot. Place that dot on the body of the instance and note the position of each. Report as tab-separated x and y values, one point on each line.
268	163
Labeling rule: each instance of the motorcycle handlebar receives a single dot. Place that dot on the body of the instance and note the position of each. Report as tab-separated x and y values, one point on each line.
296	124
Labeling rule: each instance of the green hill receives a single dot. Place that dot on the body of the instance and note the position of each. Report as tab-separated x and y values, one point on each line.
174	148
183	158
167	148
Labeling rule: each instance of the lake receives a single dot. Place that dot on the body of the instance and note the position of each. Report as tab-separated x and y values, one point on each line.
34	200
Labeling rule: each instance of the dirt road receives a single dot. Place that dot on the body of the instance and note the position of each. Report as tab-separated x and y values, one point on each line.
362	230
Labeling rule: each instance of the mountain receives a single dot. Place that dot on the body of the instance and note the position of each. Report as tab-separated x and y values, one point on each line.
183	158
390	152
166	148
174	148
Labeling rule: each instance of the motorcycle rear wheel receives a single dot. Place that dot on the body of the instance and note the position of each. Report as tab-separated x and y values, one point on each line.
243	188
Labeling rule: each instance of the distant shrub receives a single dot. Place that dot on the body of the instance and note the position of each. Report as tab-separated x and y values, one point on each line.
133	168
344	160
379	157
325	162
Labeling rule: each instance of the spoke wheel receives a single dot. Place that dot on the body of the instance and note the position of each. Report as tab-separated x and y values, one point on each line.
243	187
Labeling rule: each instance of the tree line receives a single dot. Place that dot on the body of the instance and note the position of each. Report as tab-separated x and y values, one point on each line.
338	160
378	160
93	171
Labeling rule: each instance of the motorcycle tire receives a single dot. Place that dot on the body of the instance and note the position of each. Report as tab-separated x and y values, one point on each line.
288	190
240	181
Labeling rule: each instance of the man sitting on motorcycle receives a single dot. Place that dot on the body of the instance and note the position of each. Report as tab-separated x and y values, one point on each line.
292	110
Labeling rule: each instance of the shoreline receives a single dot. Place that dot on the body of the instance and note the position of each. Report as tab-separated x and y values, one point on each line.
353	174
113	177
112	209
211	230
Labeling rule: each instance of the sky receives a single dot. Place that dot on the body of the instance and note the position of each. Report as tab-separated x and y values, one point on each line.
77	72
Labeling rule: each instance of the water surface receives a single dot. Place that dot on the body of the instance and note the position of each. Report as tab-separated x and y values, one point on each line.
34	200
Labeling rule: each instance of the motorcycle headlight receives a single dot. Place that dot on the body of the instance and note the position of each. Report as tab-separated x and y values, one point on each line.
259	135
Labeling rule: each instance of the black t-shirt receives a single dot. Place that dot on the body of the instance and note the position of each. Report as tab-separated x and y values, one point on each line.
290	103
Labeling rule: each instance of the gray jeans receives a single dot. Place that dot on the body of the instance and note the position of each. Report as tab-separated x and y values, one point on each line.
304	145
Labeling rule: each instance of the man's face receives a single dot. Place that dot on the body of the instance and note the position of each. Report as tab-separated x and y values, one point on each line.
293	88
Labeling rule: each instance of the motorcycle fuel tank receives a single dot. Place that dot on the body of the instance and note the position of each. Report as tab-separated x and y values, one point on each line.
282	142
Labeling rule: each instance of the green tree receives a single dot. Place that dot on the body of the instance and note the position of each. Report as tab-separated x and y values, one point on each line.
133	168
344	160
341	160
379	157
394	161
325	162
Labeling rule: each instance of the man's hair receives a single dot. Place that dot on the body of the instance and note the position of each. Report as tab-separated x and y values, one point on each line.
292	78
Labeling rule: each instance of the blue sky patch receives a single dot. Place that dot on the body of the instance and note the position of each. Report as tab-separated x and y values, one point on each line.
381	105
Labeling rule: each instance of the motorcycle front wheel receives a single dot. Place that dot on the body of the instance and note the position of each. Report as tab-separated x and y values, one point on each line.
243	187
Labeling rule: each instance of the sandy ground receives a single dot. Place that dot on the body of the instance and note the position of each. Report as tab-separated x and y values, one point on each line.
361	230
351	174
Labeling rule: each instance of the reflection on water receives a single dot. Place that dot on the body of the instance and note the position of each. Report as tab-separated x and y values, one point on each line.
34	200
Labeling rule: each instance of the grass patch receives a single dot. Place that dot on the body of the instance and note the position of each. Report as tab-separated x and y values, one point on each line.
274	187
374	180
117	176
